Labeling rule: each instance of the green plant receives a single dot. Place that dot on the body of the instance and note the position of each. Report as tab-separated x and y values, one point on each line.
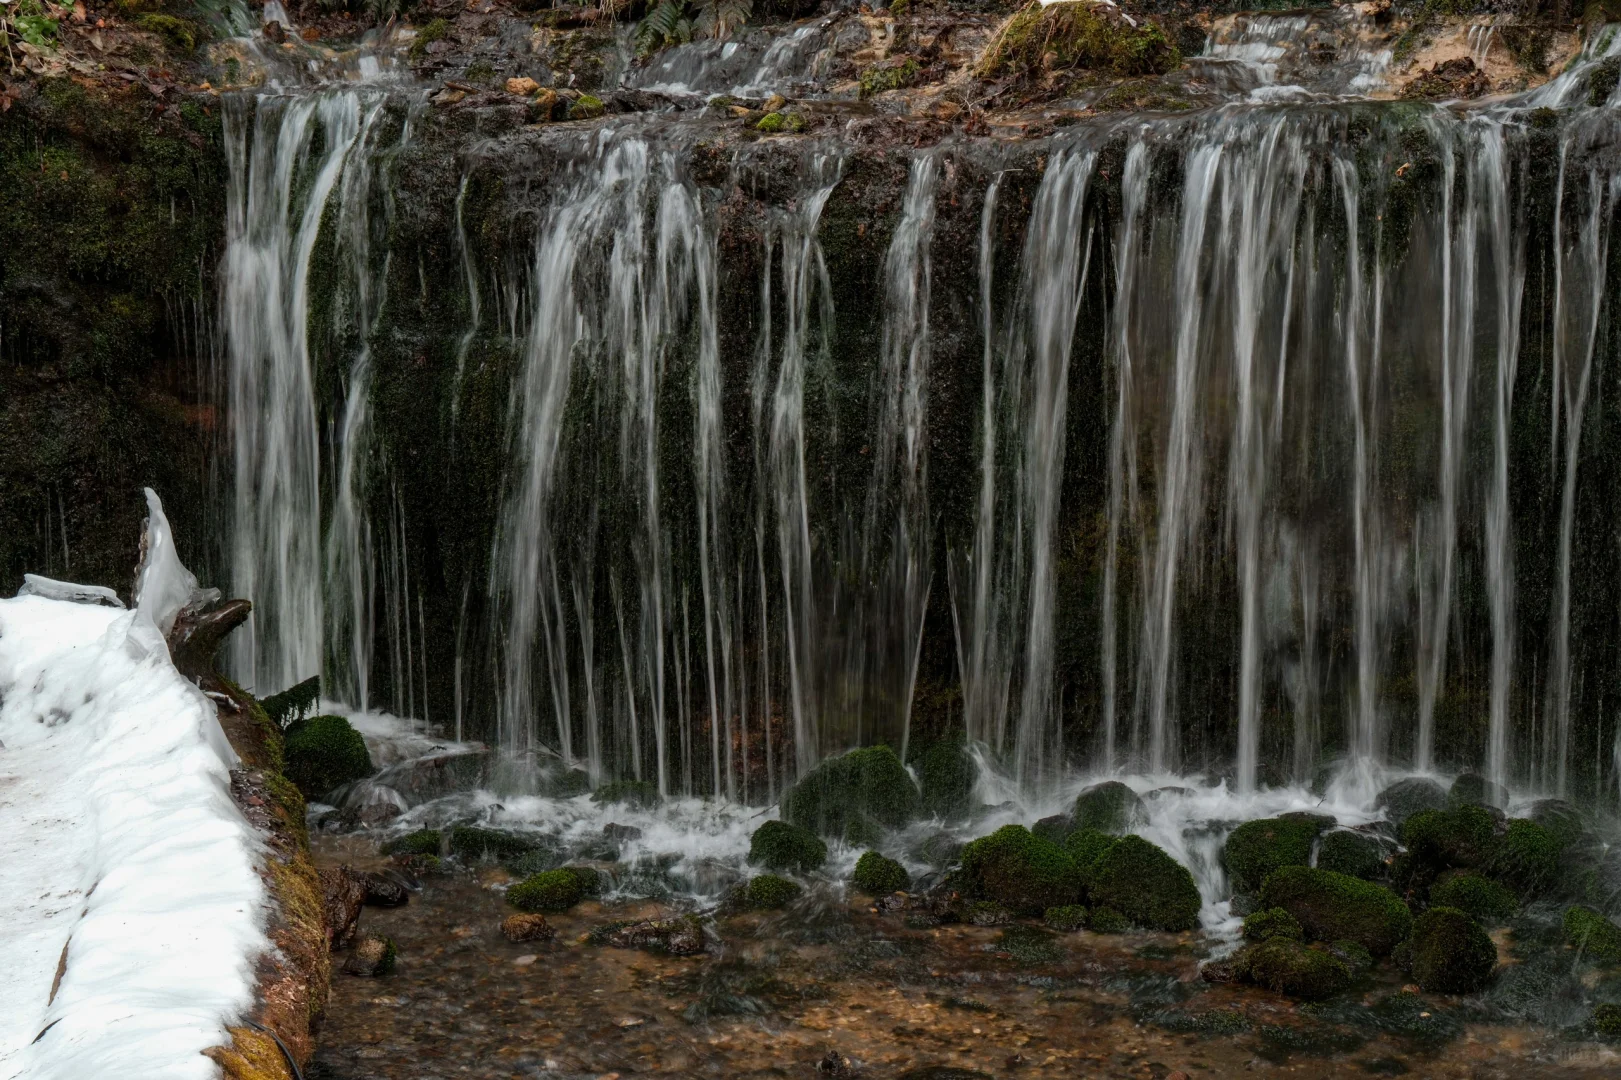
1334	907
294	703
1449	952
434	31
889	75
1273	924
1256	848
675	22
1285	966
1065	917
1071	35
864	789
33	23
877	876
945	772
779	845
551	890
1476	895
1143	883
1020	870
421	842
769	892
180	34
323	753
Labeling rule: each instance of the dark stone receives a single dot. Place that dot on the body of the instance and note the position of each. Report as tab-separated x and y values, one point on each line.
385	890
1405	798
343	893
683	936
1472	789
374	956
1110	807
1053	829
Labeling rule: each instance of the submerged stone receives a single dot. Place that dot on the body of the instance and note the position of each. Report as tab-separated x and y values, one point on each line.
471	842
521	928
1143	883
421	842
550	890
768	892
1110	807
373	956
1256	848
1449	952
1334	907
683	936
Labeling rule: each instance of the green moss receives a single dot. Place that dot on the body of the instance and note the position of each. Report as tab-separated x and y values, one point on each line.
471	842
1085	845
889	75
1353	853
1143	883
1031	945
1354	956
867	785
1449	952
434	31
1332	907
1478	896
946	777
986	913
1596	936
1106	920
1065	918
784	121
877	876
768	892
1015	868
1110	807
1461	836
1077	35
587	107
292	704
1256	848
1607	1020
1272	924
180	34
1288	967
551	890
780	845
642	794
421	842
1472	789
1526	857
323	753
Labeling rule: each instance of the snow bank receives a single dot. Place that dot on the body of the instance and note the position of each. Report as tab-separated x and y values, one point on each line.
122	857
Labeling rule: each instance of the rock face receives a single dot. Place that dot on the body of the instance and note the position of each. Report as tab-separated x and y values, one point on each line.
344	894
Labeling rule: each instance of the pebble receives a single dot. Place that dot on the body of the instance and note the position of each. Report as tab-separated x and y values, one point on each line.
525	960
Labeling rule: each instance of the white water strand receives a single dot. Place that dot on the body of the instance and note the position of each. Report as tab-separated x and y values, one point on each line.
279	188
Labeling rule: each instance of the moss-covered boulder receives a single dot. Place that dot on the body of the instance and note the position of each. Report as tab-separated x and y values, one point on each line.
1106	920
946	777
855	791
768	892
1110	807
778	845
421	842
1472	789
1063	36
1054	828
1286	966
1020	871
471	843
550	890
1477	896
1332	907
1270	924
1564	822
1526	858
1607	1020
1459	837
323	753
1085	845
1143	883
1346	851
1405	798
876	875
1256	848
1066	918
1596	936
1449	952
642	794
986	913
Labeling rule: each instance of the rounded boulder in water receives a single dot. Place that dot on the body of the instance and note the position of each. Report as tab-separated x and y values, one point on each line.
1405	798
1110	807
1287	967
1472	789
1143	883
1256	848
1450	953
1336	907
374	956
1019	870
521	928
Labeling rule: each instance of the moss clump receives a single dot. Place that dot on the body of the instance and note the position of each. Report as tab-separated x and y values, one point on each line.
1449	952
1066	918
1256	848
1018	869
1472	789
1480	897
1110	807
773	123
434	31
779	845
551	890
1104	920
1461	836
1526	857
587	107
1405	798
862	789
1273	924
1607	1020
889	75
471	842
877	876
323	753
1593	934
1353	853
1332	907
768	892
1143	883
1077	35
642	794
181	35
946	777
421	842
1288	967
1085	845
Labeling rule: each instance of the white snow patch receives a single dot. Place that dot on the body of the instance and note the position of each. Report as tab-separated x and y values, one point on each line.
120	844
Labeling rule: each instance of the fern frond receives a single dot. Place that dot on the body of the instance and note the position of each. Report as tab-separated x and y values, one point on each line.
718	18
662	26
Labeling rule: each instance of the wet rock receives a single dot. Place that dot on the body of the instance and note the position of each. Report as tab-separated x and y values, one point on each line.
472	843
1110	807
944	1072
437	773
1256	848
768	892
1455	78
1350	851
1449	952
1084	846
385	890
1334	907
1065	919
779	845
640	794
987	913
1479	897
1405	798
364	804
620	834
421	842
521	928
1053	829
374	955
1106	920
1460	837
837	1066
550	890
1526	857
1472	789
324	753
1143	883
522	86
946	777
876	875
343	892
1273	924
1564	821
1288	967
683	936
1019	870
862	789
1596	936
